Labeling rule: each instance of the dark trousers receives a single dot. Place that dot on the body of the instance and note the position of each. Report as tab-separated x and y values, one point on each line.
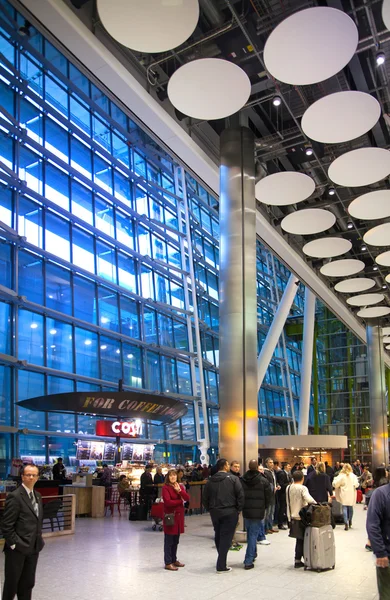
19	575
298	549
383	579
224	528
282	508
170	548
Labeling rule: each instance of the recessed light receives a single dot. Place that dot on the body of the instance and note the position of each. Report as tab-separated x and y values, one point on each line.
277	101
350	225
380	58
331	191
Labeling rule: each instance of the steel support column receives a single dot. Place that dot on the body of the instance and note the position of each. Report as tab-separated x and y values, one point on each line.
238	423
378	401
307	361
276	329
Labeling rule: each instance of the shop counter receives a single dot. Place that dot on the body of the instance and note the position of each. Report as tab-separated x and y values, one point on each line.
89	499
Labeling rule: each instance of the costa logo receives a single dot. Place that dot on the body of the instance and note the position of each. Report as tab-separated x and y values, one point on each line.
130	429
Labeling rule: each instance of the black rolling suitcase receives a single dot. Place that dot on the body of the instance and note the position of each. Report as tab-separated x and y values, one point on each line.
337	511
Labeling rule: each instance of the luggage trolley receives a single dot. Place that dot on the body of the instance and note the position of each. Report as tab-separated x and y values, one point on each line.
157	514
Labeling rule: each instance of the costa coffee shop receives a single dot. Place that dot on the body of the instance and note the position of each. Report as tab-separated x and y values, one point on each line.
123	429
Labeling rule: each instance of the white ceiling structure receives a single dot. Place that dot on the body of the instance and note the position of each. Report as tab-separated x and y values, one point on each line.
327	120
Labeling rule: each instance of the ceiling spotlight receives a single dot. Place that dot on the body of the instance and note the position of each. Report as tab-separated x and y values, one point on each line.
364	248
380	58
374	268
350	225
25	29
384	287
308	150
331	191
276	101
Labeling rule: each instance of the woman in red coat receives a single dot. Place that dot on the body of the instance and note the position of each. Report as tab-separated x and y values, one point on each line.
174	495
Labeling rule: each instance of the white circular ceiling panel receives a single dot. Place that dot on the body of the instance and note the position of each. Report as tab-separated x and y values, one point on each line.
365	299
371	206
383	259
385	330
311	46
351	286
386	340
149	25
387	347
360	167
287	187
387	278
386	13
373	311
327	247
308	221
341	117
342	268
209	88
378	236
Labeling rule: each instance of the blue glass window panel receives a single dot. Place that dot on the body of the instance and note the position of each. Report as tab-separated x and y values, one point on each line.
162	288
100	99
105	262
78	79
56	95
167	184
30	169
129	317
177	295
104	216
86	424
212	387
159	250
144	241
59	352
85	306
165	329
57	186
181	335
56	139
110	359
141	201
32	72
139	164
5	264
58	289
170	219
122	188
124	229
82	202
153	174
168	369
102	174
5	328
212	285
83	253
6	204
184	378
118	115
108	309
55	58
126	272
215	228
30	222
209	253
147	288
5	397
187	424
57	236
81	157
30	337
80	114
7	49
173	431
150	326
32	119
174	257
153	373
30	276
86	353
101	133
121	150
33	447
155	210
62	446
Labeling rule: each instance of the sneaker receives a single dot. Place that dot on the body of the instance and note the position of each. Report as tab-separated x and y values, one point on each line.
264	543
283	527
247	567
227	570
368	548
298	564
235	548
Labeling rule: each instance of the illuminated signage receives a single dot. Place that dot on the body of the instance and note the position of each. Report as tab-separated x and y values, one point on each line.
126	429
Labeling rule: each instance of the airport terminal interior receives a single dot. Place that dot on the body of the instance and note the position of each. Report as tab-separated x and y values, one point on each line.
194	264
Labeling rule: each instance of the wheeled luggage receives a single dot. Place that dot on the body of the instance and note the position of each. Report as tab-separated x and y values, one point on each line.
138	512
319	548
337	511
359	496
157	514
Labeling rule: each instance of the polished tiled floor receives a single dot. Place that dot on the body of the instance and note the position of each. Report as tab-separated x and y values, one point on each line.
114	558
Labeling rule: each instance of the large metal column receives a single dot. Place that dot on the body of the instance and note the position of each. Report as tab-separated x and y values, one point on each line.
307	361
378	401
276	329
238	415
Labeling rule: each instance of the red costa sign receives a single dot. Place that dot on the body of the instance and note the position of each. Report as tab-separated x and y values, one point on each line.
126	429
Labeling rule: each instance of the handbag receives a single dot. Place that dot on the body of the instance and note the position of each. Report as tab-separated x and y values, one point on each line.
169	519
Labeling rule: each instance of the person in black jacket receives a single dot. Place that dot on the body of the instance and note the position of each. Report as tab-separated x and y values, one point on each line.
258	496
22	531
378	529
224	498
59	471
283	479
319	484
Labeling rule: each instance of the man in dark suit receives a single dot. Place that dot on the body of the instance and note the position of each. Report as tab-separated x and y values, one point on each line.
283	478
22	530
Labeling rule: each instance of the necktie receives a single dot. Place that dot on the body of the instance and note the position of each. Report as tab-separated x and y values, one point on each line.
34	503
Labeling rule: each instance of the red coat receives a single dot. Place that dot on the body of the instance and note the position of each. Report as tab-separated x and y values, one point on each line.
174	503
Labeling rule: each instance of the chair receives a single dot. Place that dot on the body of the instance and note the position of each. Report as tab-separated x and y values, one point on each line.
111	502
51	510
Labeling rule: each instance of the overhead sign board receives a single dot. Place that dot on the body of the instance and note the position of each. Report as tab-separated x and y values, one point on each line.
125	429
